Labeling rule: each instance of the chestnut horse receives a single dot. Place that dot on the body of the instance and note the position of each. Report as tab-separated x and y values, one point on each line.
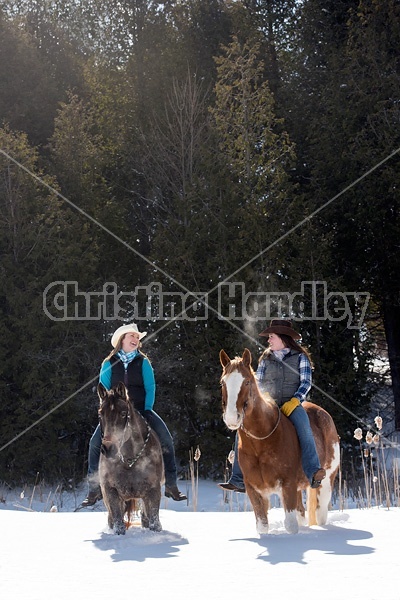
269	450
131	464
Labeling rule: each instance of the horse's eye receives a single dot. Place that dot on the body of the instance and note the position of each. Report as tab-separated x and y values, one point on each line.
123	414
247	382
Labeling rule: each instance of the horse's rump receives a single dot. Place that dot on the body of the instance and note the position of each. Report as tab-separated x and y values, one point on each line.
325	433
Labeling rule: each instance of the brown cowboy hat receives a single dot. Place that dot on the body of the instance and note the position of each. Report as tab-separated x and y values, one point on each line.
281	327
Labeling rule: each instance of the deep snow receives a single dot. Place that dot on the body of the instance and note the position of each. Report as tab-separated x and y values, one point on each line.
213	553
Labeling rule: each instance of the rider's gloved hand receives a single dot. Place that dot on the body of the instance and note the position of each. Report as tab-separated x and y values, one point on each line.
288	407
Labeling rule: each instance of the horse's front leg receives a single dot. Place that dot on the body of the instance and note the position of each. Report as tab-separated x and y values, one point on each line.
151	518
290	505
116	510
260	504
104	492
301	512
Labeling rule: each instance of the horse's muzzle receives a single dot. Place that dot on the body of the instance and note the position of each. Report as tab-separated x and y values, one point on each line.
108	449
233	425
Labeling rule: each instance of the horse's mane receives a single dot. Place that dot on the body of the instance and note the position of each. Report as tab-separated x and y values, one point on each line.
236	364
266	397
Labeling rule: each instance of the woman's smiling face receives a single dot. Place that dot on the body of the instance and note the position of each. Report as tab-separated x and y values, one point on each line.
275	342
130	342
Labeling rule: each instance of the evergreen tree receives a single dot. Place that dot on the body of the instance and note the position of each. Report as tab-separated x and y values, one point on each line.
373	211
28	94
190	142
47	354
328	134
259	153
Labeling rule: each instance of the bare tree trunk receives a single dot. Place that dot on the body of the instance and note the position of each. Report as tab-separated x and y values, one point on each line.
391	317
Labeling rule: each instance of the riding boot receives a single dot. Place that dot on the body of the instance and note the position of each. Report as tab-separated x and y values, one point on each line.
172	491
235	482
228	486
93	496
317	478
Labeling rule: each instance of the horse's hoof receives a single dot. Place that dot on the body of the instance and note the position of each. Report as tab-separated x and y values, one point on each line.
262	527
155	527
120	529
291	524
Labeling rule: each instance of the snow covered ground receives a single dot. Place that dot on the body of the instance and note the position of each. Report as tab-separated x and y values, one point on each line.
211	553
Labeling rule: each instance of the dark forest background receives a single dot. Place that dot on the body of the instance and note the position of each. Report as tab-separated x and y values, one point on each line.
187	145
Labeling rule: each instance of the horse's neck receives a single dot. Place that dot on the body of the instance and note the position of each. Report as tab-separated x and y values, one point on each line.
264	408
264	414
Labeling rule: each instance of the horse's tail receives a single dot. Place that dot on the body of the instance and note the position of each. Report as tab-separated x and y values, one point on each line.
131	508
312	505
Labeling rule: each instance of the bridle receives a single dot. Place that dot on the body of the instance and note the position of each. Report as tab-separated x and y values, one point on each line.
256	437
132	461
129	462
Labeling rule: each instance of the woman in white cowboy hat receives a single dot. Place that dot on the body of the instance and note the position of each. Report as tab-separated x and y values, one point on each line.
128	364
285	372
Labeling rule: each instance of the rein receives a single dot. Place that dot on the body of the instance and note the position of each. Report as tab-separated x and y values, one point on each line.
255	437
131	461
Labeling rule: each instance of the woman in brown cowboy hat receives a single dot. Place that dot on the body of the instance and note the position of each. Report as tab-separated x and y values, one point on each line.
128	364
285	372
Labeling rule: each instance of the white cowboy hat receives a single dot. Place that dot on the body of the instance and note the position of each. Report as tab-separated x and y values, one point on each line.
132	328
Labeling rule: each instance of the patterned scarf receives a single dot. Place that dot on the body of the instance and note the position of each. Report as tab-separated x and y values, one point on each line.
126	357
279	354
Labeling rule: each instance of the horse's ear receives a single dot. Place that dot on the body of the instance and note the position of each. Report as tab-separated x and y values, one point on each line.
224	358
102	392
246	357
121	390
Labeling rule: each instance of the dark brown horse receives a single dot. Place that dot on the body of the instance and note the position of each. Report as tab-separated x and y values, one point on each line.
269	450
131	464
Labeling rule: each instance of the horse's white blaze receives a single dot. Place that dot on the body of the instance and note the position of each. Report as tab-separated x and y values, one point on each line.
233	384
